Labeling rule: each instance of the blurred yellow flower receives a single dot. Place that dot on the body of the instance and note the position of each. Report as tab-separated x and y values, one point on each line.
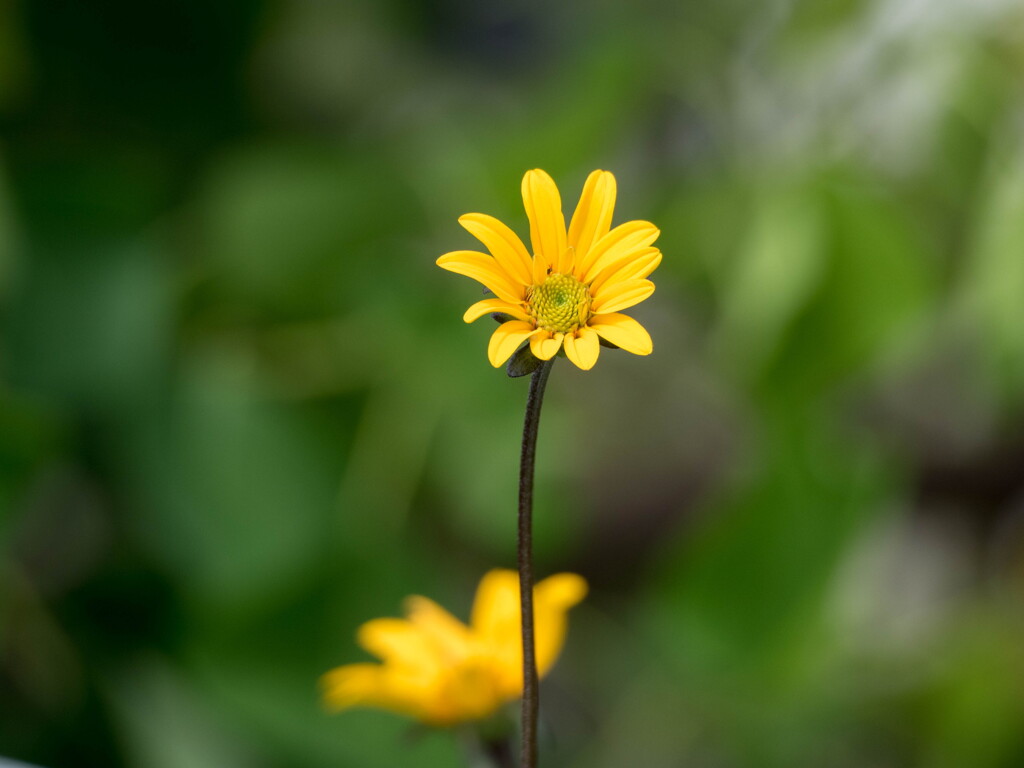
442	672
570	292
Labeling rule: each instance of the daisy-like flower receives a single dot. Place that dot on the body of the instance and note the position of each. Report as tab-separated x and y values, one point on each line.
443	672
569	294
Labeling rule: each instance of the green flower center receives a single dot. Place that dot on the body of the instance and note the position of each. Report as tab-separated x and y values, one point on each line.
560	304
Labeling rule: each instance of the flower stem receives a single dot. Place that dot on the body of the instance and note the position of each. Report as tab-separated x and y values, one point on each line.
531	695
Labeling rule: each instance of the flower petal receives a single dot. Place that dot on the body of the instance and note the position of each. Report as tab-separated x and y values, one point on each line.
615	296
496	602
506	339
504	244
565	264
488	306
623	331
636	265
583	348
541	266
350	685
545	345
368	685
553	597
560	592
484	269
496	624
400	642
544	209
447	633
631	236
593	216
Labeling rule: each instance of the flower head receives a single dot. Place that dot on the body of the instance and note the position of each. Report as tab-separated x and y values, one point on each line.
569	293
441	671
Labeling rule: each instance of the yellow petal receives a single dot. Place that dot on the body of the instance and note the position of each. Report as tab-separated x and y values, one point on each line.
471	692
352	685
636	265
449	635
560	592
483	269
553	597
623	331
544	209
583	348
399	641
617	244
541	266
593	216
372	685
615	296
545	345
496	602
506	247
488	306
506	339
495	623
564	265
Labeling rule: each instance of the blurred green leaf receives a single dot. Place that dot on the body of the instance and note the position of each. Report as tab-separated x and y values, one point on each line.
994	278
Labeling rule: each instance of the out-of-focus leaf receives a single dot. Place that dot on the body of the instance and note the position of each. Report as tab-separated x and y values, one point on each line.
244	495
92	326
164	722
777	270
974	711
879	279
771	547
301	232
994	280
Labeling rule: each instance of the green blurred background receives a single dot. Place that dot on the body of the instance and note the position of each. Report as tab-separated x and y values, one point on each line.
240	414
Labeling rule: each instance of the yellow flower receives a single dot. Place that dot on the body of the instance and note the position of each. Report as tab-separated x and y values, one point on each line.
440	671
570	292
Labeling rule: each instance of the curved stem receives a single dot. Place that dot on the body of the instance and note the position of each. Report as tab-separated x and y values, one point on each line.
531	696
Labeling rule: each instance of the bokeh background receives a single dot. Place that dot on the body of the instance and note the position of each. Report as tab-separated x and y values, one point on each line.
240	414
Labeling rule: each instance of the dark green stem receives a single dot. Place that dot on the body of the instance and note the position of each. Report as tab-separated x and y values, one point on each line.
531	695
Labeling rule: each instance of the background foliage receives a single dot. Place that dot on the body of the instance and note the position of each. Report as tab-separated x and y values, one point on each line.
240	414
